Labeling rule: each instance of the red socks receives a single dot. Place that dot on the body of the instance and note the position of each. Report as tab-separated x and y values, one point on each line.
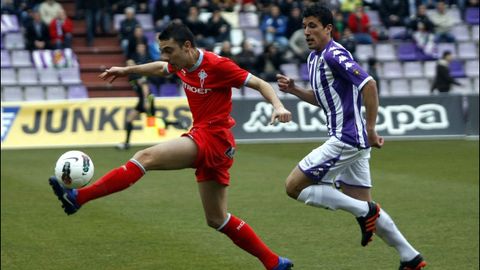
243	236
114	181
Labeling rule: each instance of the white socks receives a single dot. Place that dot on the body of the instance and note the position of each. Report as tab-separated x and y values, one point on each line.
328	197
387	230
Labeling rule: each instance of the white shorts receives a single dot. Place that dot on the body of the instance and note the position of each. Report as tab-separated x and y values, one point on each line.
335	162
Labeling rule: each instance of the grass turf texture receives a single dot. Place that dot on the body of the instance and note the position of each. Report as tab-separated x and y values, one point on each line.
430	188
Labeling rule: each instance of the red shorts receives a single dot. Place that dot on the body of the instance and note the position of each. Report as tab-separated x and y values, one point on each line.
216	147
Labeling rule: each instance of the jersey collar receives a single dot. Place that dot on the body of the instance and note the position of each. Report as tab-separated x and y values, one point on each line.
199	61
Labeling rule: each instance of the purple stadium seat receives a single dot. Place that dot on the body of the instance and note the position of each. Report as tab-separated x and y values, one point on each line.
34	93
413	69
14	41
397	32
420	87
5	59
461	32
70	76
364	51
169	90
456	69
27	76
77	92
385	52
392	70
472	68
55	92
407	52
442	47
48	76
475	33
8	76
12	93
304	72
9	23
399	87
374	17
21	58
472	15
467	50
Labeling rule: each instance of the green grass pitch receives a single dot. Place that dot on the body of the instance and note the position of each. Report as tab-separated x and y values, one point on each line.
430	188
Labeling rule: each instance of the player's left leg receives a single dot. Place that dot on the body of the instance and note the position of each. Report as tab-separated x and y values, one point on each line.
214	200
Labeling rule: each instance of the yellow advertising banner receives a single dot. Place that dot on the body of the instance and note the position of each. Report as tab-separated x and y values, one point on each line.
90	122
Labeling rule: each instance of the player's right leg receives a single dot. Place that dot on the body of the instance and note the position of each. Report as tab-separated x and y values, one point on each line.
175	154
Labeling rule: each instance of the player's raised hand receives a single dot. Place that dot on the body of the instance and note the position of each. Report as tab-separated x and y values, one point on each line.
112	73
285	84
375	140
280	114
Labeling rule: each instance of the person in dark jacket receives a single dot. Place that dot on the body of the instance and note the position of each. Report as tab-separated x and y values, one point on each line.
443	80
37	33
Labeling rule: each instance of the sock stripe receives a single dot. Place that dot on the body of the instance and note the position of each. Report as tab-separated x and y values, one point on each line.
225	222
138	165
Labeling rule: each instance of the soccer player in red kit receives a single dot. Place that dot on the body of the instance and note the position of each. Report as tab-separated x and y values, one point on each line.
209	146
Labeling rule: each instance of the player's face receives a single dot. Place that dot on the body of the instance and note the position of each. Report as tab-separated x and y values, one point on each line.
174	54
316	35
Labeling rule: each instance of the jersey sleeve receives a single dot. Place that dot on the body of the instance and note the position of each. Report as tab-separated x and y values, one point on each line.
231	74
343	65
170	69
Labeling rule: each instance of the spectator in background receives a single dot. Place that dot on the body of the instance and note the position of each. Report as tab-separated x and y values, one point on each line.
420	16
36	33
425	40
372	69
393	12
359	24
247	59
443	80
138	37
127	27
61	31
274	27
226	49
217	27
163	13
339	26
294	21
269	63
198	28
49	10
298	46
349	6
443	23
97	13
8	7
141	55
348	41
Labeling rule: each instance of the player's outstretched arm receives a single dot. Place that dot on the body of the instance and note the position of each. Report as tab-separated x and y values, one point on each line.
279	112
370	100
158	68
287	85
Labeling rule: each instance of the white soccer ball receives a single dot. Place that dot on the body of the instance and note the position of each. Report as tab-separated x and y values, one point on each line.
74	169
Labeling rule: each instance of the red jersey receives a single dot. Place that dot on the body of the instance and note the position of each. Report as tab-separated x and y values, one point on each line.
208	86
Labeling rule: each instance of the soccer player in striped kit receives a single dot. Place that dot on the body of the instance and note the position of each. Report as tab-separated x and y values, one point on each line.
208	147
339	84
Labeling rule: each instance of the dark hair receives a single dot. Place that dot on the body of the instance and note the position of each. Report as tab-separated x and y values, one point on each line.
446	53
372	61
321	12
178	32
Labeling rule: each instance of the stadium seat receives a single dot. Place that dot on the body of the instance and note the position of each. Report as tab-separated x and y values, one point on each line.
472	68
8	76
456	69
70	76
12	93
290	70
399	87
429	68
420	87
55	92
392	70
374	17
407	52
385	52
476	85
169	90
364	51
21	58
248	20
413	69
48	76
443	47
34	93
14	41
9	23
467	50
472	15
237	93
397	32
77	92
5	59
475	33
27	76
249	93
145	21
384	88
465	88
236	36
461	32
455	14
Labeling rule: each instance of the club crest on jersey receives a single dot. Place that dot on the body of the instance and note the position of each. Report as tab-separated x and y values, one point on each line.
202	75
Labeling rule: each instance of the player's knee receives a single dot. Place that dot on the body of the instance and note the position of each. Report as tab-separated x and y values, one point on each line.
291	189
144	157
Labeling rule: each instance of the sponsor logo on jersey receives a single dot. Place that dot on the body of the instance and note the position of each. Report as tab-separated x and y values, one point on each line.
8	115
197	90
202	75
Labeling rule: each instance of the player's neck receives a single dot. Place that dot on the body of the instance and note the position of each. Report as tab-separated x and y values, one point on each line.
194	55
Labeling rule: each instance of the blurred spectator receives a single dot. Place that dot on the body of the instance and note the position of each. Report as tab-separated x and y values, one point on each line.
49	10
36	33
425	40
339	25
218	27
226	49
298	46
269	63
274	27
248	6
163	13
359	24
247	59
97	13
348	41
198	28
294	22
349	6
372	70
61	31
420	16
127	27
8	7
141	56
333	5
393	12
443	23
138	37
443	81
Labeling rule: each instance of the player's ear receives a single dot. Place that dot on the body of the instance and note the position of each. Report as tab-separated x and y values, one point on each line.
187	44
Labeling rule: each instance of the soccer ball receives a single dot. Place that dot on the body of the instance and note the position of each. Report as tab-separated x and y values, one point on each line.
74	169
